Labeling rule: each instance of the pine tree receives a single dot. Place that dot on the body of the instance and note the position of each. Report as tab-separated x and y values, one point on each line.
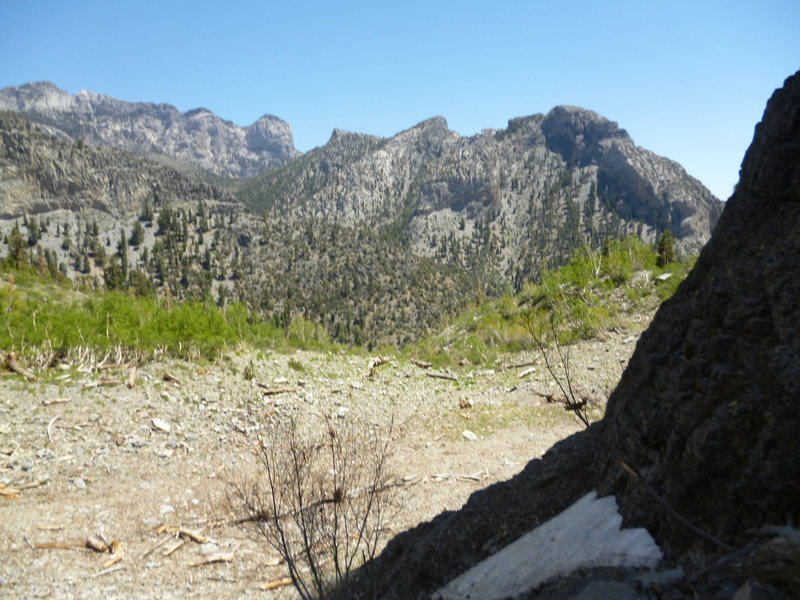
137	235
122	252
33	232
666	249
16	248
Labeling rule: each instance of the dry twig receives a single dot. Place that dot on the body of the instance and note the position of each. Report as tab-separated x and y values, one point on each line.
117	554
49	426
284	581
105	571
674	513
215	558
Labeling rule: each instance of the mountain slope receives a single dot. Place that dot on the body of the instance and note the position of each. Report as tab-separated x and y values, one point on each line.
40	173
107	217
519	199
197	137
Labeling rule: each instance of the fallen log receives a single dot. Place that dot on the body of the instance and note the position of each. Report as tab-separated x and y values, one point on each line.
13	365
438	375
214	558
530	363
377	362
170	378
276	584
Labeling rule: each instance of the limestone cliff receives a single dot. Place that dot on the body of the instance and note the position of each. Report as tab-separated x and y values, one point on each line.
197	137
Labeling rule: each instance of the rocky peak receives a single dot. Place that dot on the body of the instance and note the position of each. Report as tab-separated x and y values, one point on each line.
522	123
197	137
339	136
270	135
433	128
771	168
576	133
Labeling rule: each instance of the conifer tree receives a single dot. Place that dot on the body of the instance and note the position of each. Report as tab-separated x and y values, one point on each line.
137	235
666	249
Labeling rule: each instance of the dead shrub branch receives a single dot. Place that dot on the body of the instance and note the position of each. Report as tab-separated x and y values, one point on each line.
320	496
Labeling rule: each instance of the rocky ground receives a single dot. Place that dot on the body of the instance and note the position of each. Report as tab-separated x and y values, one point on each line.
87	457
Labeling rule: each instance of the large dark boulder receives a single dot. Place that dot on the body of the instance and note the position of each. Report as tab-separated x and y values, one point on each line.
708	409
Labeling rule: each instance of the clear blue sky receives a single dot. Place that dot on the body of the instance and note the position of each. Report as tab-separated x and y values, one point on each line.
687	79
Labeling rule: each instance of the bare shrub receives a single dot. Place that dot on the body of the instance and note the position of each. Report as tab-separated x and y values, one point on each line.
320	495
557	361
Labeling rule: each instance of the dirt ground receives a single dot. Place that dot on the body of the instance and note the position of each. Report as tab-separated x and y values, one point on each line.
89	457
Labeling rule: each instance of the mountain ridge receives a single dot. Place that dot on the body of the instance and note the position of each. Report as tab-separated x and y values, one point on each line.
570	171
197	137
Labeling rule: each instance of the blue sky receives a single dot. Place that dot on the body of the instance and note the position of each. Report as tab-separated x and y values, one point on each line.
688	80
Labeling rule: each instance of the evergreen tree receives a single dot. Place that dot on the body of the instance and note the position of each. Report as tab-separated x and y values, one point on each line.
100	255
113	275
16	248
147	212
666	249
33	232
122	252
137	235
165	221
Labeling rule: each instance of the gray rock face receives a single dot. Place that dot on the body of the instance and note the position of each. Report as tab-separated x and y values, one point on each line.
39	173
197	137
521	196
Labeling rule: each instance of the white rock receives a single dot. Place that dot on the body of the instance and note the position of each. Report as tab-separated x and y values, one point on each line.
342	412
357	385
162	425
469	435
280	381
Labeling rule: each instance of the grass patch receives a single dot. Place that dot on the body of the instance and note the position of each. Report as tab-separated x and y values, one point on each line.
486	419
42	317
591	294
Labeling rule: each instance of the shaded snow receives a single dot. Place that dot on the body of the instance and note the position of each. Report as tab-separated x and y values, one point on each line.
587	534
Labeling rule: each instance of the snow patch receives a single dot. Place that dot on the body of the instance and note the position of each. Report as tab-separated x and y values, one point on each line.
587	534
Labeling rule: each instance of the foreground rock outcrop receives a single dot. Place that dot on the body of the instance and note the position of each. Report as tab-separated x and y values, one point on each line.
707	412
709	407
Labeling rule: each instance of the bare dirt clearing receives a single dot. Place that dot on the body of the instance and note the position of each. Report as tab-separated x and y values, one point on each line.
90	457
